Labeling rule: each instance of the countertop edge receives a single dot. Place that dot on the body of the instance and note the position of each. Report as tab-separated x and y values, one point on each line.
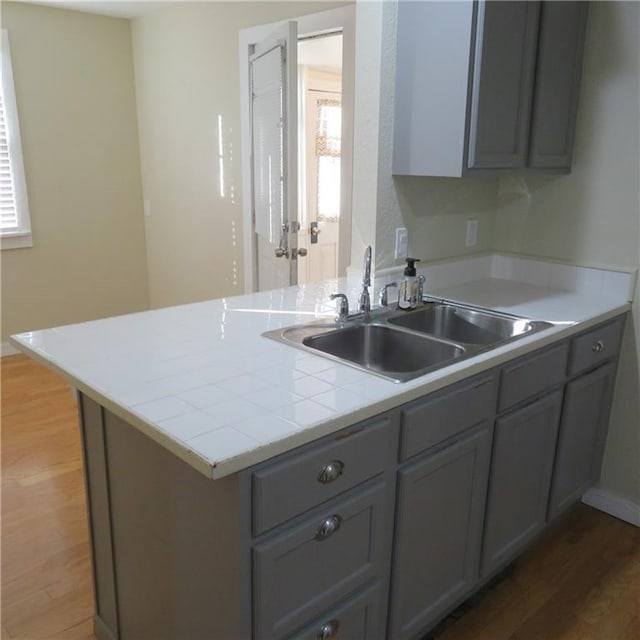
433	382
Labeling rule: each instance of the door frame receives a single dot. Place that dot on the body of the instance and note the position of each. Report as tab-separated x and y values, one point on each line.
342	18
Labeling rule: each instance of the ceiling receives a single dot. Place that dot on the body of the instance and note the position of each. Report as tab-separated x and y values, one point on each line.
116	8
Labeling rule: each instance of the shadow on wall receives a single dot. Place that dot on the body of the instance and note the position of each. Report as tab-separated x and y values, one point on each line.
427	197
621	471
436	211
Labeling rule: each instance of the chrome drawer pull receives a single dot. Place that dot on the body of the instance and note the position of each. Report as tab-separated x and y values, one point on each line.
331	471
598	346
329	630
328	527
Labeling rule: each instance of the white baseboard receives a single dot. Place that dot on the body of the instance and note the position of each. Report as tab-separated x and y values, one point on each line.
6	349
613	505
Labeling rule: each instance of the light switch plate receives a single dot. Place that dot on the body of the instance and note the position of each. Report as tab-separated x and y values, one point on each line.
472	233
402	243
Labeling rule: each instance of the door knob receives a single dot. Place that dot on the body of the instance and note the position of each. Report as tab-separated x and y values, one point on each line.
313	232
280	252
302	252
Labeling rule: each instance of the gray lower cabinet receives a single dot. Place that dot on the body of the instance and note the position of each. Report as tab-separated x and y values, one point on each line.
358	618
440	507
376	531
583	430
521	468
311	566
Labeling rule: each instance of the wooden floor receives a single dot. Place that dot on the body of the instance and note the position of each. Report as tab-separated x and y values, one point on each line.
581	582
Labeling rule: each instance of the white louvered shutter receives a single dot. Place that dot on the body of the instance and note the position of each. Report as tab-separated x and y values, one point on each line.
15	223
8	208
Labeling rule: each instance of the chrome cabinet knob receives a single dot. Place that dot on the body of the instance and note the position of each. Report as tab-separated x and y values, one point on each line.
328	630
598	347
331	471
328	527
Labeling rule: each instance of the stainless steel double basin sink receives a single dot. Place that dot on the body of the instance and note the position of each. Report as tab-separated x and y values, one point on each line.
402	345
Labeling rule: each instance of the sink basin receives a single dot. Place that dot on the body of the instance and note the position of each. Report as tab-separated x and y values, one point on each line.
401	345
468	326
382	349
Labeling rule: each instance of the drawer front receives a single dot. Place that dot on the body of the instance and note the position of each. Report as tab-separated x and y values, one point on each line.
595	347
310	567
303	481
358	617
426	423
532	375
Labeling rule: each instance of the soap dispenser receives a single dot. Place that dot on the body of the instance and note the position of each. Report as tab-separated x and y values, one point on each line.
407	298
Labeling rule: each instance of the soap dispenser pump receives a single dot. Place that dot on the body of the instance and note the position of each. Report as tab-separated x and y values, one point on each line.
407	298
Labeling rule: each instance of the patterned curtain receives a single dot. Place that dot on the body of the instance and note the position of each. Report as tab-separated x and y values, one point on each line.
328	139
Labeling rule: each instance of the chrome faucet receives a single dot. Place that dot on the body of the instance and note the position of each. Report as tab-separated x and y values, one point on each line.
365	300
384	293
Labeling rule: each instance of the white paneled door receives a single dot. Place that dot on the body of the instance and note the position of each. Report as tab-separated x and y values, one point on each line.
274	142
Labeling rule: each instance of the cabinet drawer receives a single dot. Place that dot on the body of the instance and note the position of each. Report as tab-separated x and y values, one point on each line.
358	617
310	567
446	413
595	346
532	375
305	480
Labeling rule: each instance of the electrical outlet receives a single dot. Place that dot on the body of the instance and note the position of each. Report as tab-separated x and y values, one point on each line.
402	243
472	233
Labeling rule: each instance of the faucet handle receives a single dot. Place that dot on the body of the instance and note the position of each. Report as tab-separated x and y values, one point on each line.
384	294
343	308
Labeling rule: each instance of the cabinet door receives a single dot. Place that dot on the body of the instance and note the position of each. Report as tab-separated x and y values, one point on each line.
557	85
438	532
522	463
503	74
585	418
308	568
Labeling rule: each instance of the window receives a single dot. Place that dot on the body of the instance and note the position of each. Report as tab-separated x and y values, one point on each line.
328	144
15	225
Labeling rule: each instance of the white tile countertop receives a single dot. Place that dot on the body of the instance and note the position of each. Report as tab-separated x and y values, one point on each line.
202	381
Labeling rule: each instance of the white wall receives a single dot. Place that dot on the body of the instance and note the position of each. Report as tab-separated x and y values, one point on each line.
75	94
187	81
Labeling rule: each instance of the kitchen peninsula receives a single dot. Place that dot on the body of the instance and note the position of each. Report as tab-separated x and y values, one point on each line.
240	488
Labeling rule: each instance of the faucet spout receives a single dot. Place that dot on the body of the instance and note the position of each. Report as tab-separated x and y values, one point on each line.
365	300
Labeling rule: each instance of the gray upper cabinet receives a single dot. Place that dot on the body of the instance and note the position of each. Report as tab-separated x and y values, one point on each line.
503	72
558	72
486	87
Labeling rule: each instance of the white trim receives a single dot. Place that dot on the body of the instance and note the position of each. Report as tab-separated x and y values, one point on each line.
7	349
21	236
613	505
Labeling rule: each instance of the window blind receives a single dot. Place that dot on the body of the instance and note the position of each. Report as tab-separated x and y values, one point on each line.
8	208
15	223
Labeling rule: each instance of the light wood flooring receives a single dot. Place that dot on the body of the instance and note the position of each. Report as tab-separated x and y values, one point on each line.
581	582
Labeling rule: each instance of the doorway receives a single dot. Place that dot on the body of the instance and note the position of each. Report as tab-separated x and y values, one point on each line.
308	234
319	157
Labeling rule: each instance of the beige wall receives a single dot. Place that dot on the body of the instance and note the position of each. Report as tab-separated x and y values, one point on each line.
187	78
75	94
593	215
435	211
